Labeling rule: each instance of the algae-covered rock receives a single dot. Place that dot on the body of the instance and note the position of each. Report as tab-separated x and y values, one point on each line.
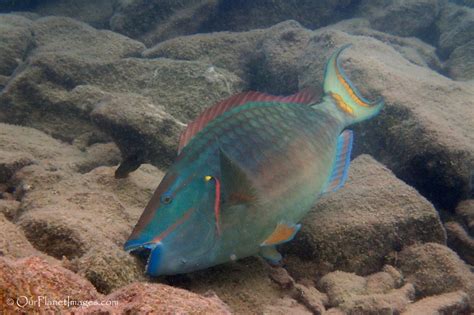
460	241
13	243
15	40
140	298
152	21
33	285
447	303
354	294
455	27
435	269
403	18
373	215
460	65
64	80
427	143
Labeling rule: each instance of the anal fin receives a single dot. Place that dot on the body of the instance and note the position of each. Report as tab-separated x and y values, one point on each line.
283	233
271	255
341	162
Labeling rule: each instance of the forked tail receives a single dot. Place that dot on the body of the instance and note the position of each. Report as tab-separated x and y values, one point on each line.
341	92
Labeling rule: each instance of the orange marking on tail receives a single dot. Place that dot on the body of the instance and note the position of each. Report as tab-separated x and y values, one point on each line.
341	104
349	90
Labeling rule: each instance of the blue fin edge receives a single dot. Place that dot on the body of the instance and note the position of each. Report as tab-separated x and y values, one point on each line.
342	159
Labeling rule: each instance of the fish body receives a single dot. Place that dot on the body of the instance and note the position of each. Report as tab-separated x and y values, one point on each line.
248	171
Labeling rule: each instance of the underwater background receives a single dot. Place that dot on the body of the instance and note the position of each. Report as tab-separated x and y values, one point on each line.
86	86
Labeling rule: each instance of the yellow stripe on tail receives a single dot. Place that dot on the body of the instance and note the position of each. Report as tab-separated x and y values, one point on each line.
344	95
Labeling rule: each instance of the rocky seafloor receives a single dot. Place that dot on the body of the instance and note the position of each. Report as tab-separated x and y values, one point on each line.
88	84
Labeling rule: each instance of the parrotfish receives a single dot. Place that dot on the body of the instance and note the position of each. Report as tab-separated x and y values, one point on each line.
248	169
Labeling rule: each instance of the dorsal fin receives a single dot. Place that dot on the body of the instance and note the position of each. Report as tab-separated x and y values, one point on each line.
305	96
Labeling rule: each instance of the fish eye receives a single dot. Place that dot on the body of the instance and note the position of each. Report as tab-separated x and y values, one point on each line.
166	199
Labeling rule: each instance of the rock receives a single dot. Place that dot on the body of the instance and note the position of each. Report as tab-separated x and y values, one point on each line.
353	294
384	281
435	269
87	218
460	65
266	59
460	241
465	213
372	215
16	40
340	286
13	243
311	298
274	69
65	36
244	285
455	24
393	302
425	143
155	21
247	15
93	12
231	51
447	303
9	208
10	162
32	284
60	88
29	148
281	277
143	132
74	214
108	267
403	18
140	298
411	48
99	154
285	306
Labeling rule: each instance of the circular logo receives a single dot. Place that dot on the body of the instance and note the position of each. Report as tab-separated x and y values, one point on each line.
22	301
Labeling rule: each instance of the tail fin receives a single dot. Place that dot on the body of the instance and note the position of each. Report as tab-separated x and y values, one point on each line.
343	93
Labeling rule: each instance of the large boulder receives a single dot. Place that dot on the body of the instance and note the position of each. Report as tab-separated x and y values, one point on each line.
426	142
16	39
86	219
455	24
157	20
96	13
146	298
378	293
460	65
400	17
32	285
14	244
373	215
411	48
456	40
264	58
435	269
66	82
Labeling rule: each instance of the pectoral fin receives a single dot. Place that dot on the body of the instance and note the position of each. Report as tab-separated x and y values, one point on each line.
270	254
341	162
237	186
283	233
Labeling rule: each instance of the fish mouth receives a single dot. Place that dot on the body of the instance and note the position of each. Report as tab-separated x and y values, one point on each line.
150	252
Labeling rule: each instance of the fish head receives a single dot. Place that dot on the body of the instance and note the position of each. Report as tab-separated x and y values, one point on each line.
177	228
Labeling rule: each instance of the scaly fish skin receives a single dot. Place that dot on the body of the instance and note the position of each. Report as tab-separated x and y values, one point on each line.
245	179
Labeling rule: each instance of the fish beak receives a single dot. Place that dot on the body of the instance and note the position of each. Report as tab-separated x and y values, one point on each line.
151	251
